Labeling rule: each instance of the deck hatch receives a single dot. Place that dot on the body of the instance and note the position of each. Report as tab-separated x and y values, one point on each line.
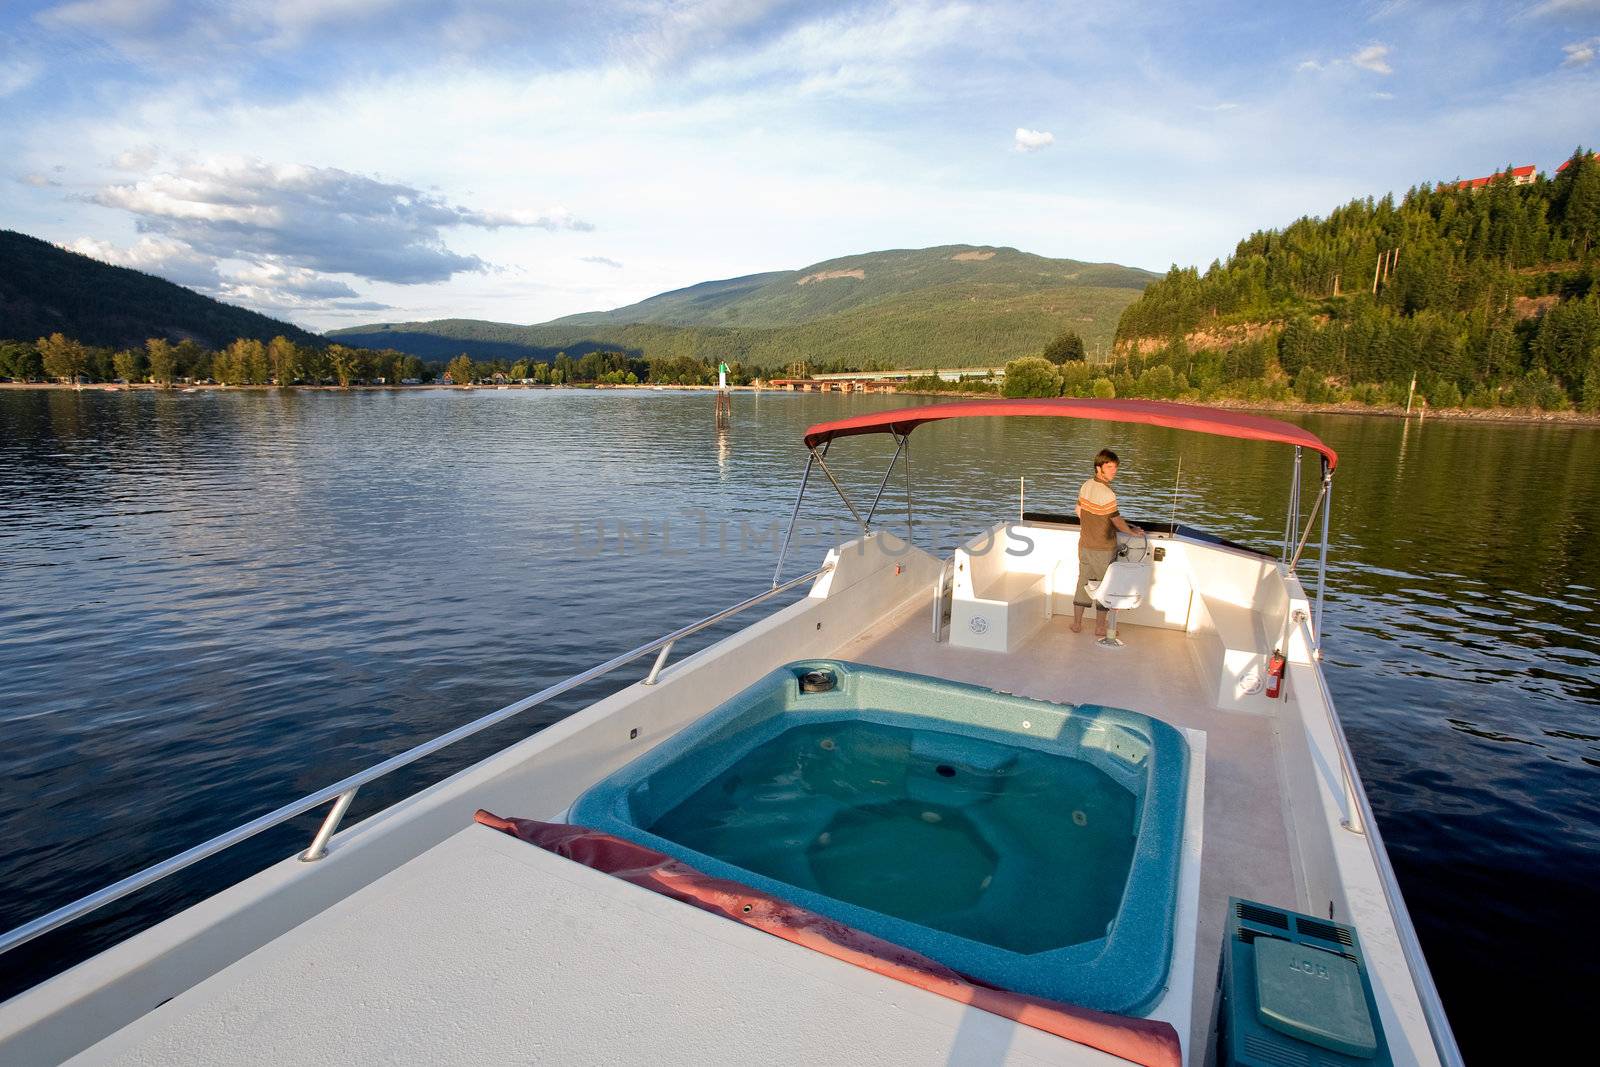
1294	989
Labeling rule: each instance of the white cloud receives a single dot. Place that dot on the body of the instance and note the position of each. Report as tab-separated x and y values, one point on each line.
167	259
296	282
1032	140
287	22
1559	8
137	160
871	53
1382	96
106	17
1580	53
266	286
152	30
554	218
38	181
675	30
1374	57
319	218
604	261
17	74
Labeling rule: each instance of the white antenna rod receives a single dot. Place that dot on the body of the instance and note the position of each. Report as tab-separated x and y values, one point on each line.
1176	482
1022	496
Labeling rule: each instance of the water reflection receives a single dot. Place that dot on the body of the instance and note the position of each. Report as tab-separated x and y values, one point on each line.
216	602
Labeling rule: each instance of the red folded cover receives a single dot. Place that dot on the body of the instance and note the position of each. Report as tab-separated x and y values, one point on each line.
1143	1041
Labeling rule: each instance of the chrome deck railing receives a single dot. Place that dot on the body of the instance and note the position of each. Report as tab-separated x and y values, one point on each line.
1359	819
341	793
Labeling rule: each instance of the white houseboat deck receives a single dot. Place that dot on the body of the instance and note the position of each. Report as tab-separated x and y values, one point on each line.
487	950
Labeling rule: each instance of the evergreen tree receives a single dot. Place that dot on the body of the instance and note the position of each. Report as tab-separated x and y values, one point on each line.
1583	210
1578	200
227	365
253	361
1066	348
1589	401
1296	346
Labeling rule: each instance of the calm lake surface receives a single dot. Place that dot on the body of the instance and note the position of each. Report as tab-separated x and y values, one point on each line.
212	604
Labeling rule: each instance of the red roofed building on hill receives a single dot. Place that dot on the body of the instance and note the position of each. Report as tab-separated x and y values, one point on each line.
1565	163
1519	176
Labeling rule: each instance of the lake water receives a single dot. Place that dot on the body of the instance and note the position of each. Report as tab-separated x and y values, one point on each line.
212	604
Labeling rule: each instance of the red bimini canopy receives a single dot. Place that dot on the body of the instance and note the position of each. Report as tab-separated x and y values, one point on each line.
1150	412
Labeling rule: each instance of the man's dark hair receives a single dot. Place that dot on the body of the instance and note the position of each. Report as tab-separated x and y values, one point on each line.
1104	456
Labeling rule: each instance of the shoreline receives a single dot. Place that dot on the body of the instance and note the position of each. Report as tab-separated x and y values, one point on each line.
1493	415
146	387
1489	415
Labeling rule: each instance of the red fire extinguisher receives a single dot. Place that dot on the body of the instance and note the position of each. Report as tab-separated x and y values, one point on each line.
1275	667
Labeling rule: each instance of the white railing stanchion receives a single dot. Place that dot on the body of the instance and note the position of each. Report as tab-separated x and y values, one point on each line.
661	661
938	597
330	826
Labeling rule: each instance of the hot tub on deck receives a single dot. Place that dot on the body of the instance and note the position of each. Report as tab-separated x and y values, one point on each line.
1031	845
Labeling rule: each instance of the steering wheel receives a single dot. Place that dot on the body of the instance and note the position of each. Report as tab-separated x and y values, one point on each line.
1127	548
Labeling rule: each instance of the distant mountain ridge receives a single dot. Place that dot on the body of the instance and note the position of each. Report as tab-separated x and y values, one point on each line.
792	297
951	305
45	289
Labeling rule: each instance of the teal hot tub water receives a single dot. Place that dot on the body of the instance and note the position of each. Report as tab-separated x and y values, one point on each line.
1031	845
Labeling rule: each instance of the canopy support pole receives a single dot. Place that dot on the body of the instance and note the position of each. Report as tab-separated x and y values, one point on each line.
1299	488
911	533
866	530
777	572
900	446
1305	535
1291	515
1322	560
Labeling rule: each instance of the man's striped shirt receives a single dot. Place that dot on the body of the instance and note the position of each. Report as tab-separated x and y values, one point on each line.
1097	506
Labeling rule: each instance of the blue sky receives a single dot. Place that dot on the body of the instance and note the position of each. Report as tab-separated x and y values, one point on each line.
342	161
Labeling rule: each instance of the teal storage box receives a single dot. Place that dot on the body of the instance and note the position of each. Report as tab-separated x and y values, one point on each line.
1293	989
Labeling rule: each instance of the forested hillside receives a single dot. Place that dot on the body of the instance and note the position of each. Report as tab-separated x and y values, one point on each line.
1488	296
955	305
849	283
45	290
